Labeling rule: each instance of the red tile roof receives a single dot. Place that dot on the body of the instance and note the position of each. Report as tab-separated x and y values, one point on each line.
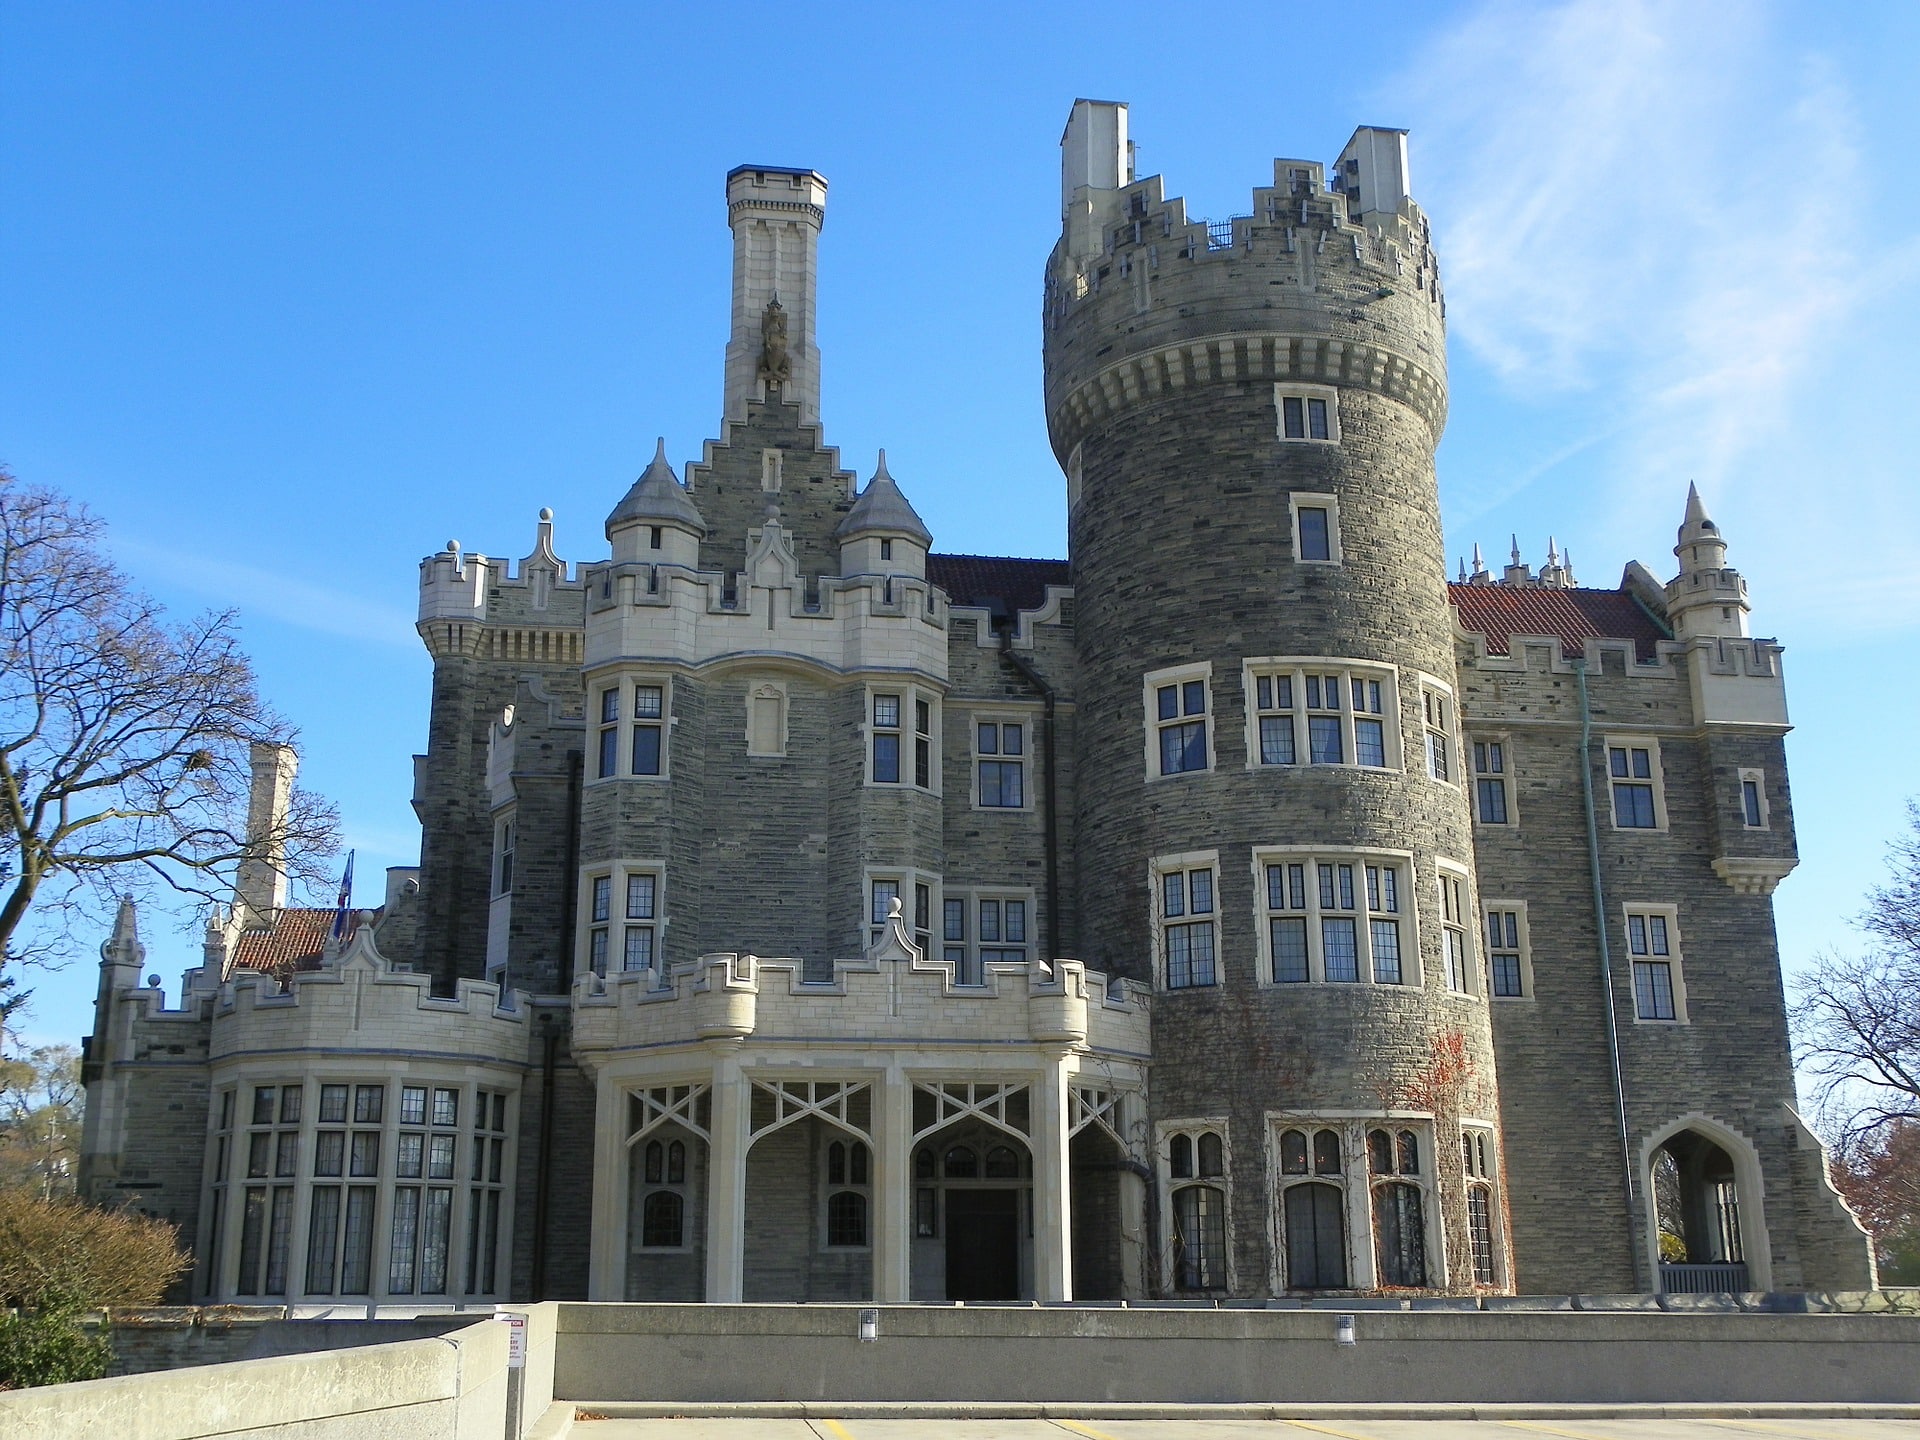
294	943
1571	616
980	579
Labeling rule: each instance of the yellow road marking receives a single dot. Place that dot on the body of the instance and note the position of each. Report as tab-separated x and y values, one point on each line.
1087	1430
1549	1430
1327	1430
837	1430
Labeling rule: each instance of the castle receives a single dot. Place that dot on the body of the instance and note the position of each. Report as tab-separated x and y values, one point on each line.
1235	909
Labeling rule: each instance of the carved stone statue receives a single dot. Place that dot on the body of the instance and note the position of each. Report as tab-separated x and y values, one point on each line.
776	366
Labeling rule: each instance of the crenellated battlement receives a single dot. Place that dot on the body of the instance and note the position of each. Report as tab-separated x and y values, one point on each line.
540	593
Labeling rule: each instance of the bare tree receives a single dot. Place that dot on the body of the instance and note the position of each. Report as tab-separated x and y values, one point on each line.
1856	1018
41	1104
125	739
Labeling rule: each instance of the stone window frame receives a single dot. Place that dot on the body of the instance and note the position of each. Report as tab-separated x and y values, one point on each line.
1185	864
1673	959
1284	391
1177	677
1628	742
1516	912
1412	970
1479	748
911	885
1751	775
829	1136
1439	726
967	952
666	1137
617	921
1076	477
1281	1180
626	723
1194	1130
1357	1183
911	740
1297	500
1480	1170
1026	759
505	834
1458	915
772	692
1294	670
229	1120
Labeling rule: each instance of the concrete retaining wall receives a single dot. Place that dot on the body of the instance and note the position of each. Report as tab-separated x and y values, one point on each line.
705	1353
170	1339
453	1387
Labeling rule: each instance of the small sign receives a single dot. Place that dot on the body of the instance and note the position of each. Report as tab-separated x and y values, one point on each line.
516	1337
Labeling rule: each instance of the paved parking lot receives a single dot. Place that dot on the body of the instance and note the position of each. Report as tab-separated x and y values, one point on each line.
863	1429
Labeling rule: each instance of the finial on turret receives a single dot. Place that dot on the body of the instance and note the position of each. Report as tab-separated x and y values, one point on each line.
1517	573
881	507
657	498
546	514
1463	573
1707	597
1516	550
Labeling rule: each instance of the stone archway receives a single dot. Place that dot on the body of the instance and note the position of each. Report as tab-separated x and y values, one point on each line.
1706	1231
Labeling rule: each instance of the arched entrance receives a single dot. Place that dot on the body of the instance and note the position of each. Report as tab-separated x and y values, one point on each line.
668	1160
810	1174
1703	1200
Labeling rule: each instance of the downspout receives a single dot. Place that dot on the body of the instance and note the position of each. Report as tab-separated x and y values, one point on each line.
1050	819
1606	970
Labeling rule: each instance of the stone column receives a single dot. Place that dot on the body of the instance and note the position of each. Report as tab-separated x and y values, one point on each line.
612	1211
1135	1242
1052	1190
893	1188
727	1177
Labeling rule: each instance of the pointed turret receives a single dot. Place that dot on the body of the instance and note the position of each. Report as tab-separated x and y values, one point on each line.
657	521
1480	575
882	534
1706	597
1517	572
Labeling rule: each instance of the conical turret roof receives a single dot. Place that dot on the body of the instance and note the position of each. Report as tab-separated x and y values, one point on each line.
656	498
882	508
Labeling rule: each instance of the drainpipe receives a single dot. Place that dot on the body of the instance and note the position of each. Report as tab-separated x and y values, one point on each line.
1606	970
1050	819
542	1177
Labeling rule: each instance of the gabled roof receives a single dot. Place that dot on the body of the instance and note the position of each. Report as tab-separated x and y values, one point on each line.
1500	612
294	943
981	579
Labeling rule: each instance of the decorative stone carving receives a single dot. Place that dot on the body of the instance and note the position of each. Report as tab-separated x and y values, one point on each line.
776	366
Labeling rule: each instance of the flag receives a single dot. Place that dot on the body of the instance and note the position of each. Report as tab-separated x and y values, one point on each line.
341	909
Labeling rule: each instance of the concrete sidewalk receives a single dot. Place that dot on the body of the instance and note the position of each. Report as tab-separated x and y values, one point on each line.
1725	1427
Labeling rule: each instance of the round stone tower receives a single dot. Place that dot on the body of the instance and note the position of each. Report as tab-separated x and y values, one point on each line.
1273	810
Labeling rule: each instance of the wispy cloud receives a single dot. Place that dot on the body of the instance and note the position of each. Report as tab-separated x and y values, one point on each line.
279	594
1668	208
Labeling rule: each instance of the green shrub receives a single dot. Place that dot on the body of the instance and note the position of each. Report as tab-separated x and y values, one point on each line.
49	1346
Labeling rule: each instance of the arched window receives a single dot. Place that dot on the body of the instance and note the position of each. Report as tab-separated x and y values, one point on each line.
1293	1152
654	1169
1180	1158
676	1163
924	1165
1399	1234
663	1220
1211	1163
1316	1224
962	1163
847	1218
1002	1164
1380	1152
1409	1148
1200	1238
1326	1152
836	1164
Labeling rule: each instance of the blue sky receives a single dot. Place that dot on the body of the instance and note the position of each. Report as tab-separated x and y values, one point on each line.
294	293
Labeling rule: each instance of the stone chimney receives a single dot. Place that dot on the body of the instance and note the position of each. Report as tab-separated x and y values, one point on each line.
260	890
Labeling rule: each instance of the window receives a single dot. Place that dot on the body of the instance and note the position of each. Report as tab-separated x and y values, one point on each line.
1177	742
1453	932
1196	1168
915	895
663	1194
1509	967
637	710
1000	749
848	1166
1633	770
622	912
1399	1210
767	720
902	738
1184	921
1437	707
984	929
1491	805
1336	920
1653	942
1309	711
1476	1151
1313	1208
1753	799
1316	528
503	862
272	1153
1307	412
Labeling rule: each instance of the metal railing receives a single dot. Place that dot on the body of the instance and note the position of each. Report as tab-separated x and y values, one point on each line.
1722	1278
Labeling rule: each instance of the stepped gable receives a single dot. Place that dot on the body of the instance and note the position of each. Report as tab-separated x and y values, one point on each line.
1572	616
1018	583
294	943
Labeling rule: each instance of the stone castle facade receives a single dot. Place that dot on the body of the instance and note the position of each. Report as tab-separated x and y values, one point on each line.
1236	909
